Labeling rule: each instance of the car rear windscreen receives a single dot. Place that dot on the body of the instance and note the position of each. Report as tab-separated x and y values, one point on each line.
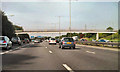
52	38
16	38
68	39
2	38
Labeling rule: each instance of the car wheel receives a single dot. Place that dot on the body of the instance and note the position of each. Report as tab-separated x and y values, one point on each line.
74	47
59	46
7	48
10	47
20	43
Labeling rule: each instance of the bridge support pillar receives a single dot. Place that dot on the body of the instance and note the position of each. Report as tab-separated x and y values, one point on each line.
97	36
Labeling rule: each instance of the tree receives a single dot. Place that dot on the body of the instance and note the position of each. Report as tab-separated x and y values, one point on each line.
110	29
7	27
119	31
18	27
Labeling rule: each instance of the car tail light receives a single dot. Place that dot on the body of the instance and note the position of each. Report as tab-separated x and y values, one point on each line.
55	40
74	42
4	41
49	40
63	42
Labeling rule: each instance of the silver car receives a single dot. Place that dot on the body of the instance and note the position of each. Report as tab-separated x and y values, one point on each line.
37	41
67	42
5	42
16	40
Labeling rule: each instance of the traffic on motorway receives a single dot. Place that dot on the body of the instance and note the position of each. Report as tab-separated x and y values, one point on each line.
69	42
6	43
40	52
59	36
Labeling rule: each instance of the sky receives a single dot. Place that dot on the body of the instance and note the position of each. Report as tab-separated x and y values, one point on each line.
36	16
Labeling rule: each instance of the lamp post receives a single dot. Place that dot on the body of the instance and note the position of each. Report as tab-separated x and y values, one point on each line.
59	24
59	17
70	16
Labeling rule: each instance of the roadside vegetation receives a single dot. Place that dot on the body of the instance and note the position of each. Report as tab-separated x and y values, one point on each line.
7	26
90	36
8	29
18	27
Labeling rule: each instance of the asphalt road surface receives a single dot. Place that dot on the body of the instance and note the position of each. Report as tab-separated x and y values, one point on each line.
42	56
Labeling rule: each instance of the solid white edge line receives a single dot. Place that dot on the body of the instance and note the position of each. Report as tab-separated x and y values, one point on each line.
6	51
2	53
13	49
50	51
10	50
68	68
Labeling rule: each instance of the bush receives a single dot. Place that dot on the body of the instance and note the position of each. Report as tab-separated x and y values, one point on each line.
7	27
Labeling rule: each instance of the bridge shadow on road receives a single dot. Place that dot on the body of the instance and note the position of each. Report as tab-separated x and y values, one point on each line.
33	46
13	61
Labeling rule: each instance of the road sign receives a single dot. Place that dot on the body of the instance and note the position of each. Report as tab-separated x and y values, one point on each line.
32	37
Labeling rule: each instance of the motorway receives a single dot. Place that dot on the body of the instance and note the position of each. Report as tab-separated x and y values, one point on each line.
42	56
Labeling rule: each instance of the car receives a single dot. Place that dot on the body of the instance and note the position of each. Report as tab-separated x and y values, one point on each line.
52	41
32	40
107	40
102	40
93	40
83	39
5	42
23	40
26	40
41	40
46	40
37	41
16	40
67	42
57	40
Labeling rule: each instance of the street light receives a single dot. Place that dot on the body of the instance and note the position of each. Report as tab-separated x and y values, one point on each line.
59	17
70	16
59	26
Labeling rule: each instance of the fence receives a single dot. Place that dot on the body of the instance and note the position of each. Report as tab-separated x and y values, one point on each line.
99	43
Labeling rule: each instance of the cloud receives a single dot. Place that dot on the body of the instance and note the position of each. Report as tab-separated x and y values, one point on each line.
39	15
59	0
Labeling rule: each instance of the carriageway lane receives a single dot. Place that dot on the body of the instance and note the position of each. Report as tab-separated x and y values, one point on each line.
49	57
83	58
31	57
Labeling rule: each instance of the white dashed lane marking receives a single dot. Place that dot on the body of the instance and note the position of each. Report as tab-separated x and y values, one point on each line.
50	52
90	52
68	68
